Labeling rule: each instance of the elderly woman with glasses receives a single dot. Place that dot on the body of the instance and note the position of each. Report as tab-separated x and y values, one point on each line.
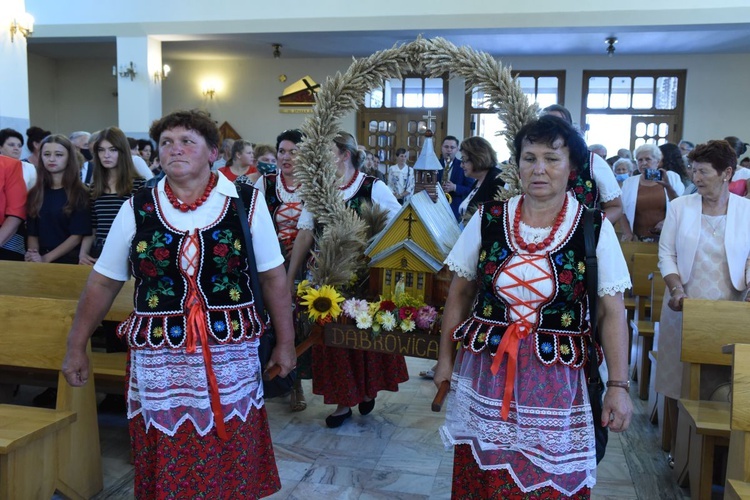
646	197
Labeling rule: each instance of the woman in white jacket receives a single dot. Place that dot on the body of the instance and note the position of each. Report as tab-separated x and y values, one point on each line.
645	199
704	253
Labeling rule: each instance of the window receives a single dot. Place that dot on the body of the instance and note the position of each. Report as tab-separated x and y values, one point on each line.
542	87
411	92
625	109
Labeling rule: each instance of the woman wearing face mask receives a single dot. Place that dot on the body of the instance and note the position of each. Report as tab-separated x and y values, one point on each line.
623	168
265	155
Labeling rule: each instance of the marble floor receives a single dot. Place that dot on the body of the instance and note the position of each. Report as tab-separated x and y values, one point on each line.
396	452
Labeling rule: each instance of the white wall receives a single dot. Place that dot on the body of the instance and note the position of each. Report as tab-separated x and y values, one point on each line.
73	95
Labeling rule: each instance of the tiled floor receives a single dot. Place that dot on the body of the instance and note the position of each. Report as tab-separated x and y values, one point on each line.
396	452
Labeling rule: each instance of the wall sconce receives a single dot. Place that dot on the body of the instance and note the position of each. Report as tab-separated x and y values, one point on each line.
276	50
163	74
611	41
24	25
128	72
209	92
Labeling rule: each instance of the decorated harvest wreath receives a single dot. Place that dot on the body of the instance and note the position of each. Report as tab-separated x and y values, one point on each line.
343	238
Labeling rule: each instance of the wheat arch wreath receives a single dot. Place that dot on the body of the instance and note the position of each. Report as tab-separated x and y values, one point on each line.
343	230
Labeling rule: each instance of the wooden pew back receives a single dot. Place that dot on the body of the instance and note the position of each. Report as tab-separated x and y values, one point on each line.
738	464
658	286
57	281
629	248
707	326
644	264
33	336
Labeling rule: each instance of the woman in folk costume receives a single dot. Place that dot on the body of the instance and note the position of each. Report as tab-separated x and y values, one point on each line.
349	377
198	425
519	414
281	191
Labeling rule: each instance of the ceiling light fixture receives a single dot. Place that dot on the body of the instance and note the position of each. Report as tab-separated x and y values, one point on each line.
276	50
611	41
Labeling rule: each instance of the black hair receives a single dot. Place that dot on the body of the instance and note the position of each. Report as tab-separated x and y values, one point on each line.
294	135
547	129
7	133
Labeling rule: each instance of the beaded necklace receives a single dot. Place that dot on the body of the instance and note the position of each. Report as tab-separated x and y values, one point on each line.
184	207
533	247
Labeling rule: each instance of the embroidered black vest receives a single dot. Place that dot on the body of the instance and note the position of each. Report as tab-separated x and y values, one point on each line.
161	286
561	327
272	199
584	186
364	193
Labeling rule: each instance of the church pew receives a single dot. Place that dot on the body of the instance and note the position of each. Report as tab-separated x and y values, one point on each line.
629	248
40	449
738	464
707	326
57	281
644	267
66	281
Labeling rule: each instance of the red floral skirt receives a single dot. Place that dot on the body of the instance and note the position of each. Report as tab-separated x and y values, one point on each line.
187	465
469	481
347	376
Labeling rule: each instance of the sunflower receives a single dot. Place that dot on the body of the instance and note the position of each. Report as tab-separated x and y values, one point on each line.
302	288
322	303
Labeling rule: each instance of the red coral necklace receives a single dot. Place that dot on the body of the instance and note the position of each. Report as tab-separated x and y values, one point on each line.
184	207
533	247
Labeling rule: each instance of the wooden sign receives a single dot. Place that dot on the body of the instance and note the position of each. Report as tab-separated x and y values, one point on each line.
418	345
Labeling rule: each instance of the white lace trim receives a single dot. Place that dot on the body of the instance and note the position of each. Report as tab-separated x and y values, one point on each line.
169	386
589	481
604	198
454	266
613	288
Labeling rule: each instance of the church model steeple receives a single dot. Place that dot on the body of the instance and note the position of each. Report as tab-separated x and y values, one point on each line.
426	169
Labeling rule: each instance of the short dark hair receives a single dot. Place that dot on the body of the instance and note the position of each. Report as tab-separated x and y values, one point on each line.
671	159
142	143
195	120
294	135
450	138
7	133
720	154
479	152
35	134
400	151
737	144
547	129
133	142
560	109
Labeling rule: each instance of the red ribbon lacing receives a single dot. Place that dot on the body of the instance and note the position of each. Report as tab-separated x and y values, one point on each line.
197	331
520	328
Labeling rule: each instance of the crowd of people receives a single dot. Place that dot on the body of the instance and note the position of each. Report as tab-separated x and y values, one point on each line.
167	211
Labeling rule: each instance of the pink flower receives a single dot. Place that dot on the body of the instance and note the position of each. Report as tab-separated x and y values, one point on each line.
426	316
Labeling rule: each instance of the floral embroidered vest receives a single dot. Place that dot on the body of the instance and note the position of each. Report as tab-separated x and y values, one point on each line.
561	328
161	286
272	199
364	193
583	185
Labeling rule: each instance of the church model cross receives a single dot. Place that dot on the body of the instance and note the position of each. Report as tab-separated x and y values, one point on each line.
409	220
430	118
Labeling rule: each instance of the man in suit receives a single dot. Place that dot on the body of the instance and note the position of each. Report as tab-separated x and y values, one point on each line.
457	184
